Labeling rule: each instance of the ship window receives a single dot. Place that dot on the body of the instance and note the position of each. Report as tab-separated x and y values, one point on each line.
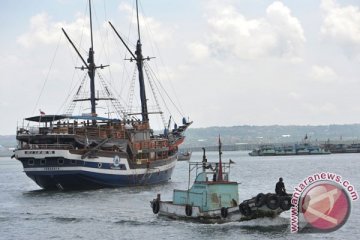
60	161
73	161
31	162
99	165
42	161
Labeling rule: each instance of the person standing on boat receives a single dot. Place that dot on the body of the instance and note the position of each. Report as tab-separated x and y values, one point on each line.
280	188
216	172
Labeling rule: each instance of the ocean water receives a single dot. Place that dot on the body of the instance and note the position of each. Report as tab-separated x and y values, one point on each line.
27	212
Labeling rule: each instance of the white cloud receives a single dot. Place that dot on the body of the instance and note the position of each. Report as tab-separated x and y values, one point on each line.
278	34
341	24
323	73
222	40
150	26
43	31
198	50
287	28
294	95
323	108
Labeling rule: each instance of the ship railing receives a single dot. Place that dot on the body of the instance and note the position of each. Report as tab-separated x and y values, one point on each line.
208	169
102	131
48	146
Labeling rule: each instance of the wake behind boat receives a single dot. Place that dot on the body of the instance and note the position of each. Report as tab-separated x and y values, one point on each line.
88	151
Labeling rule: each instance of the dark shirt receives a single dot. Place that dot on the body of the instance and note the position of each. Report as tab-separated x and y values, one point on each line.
280	188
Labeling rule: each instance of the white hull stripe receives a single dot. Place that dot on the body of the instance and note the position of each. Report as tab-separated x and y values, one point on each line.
103	171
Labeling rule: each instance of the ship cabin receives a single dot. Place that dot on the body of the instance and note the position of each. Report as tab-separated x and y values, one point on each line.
79	134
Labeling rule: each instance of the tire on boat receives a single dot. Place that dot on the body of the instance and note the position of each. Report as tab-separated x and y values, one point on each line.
224	212
155	207
245	209
260	200
285	203
188	210
272	201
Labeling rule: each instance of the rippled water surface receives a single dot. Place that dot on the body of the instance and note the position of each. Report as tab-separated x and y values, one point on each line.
27	212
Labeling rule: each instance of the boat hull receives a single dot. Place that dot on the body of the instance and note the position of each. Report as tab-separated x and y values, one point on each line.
82	179
233	214
67	171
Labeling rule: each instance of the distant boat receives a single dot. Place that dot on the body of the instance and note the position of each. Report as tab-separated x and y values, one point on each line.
184	156
303	148
296	149
88	151
342	148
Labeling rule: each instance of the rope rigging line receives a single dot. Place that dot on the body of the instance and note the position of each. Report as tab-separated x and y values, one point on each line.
120	110
158	53
101	37
125	73
164	102
48	74
82	32
84	93
162	87
154	94
132	90
72	103
75	63
70	91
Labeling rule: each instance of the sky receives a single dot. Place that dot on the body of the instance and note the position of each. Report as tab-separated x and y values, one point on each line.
224	63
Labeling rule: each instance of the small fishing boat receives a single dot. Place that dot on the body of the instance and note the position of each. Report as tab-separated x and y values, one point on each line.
184	156
214	198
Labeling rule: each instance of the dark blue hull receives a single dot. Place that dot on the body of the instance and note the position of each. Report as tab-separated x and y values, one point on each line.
55	172
74	180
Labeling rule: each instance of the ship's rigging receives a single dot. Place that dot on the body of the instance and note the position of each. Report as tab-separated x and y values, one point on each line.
115	106
91	150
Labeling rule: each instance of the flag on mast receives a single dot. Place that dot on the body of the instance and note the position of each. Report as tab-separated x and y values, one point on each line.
41	112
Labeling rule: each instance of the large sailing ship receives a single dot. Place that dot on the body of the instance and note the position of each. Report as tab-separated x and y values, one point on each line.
89	151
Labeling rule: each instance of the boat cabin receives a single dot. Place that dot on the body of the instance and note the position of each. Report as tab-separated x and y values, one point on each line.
211	189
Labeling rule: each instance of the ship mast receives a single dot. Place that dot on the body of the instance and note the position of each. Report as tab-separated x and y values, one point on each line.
90	66
139	63
138	57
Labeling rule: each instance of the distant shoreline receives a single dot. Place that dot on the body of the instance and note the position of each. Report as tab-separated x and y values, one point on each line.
6	154
246	137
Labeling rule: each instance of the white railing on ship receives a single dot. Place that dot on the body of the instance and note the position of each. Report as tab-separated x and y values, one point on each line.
48	146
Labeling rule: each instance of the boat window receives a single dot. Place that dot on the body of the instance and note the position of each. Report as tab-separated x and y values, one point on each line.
60	161
73	161
31	162
99	165
42	161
